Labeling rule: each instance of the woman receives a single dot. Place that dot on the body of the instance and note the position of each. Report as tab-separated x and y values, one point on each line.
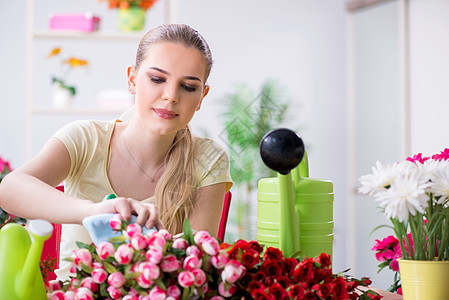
158	170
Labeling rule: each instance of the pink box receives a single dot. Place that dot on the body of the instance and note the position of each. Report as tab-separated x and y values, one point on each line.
86	22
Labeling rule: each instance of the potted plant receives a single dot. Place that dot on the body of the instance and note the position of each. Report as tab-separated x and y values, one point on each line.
131	13
414	195
62	91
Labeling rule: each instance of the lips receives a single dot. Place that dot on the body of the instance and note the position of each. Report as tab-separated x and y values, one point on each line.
165	114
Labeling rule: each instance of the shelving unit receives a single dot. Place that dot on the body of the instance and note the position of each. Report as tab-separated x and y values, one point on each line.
38	34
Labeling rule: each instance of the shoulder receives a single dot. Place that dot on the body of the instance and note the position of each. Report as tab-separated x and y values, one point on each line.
207	145
86	128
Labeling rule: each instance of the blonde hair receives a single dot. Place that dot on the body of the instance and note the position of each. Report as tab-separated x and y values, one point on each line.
175	190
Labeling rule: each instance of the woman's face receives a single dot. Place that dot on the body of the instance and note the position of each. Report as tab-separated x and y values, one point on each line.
169	85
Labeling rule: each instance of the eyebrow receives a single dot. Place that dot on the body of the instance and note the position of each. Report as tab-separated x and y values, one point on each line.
167	73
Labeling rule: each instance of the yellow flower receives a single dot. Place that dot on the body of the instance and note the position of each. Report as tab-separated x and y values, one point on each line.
75	62
54	52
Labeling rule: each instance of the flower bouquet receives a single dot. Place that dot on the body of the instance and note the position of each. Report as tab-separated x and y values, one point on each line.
125	4
414	195
133	266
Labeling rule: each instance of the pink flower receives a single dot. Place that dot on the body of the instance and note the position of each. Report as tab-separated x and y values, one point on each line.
138	241
133	229
69	295
130	297
194	250
192	262
217	298
417	158
83	256
174	291
142	282
220	260
116	280
164	233
149	271
83	293
99	276
444	155
157	293
226	292
394	265
200	236
105	249
89	283
114	293
156	241
53	285
186	279
232	271
57	295
116	222
169	263
210	246
200	277
154	255
180	244
124	254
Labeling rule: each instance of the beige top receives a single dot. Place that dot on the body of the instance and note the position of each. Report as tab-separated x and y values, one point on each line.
88	144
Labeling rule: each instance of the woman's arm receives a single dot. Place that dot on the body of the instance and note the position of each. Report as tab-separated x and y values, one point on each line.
207	210
29	192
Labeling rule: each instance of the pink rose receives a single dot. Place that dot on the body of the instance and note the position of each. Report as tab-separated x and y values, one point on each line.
154	255
53	285
124	254
83	256
116	280
146	297
133	229
116	222
232	271
157	293
89	283
220	260
200	277
180	244
97	265
194	250
57	295
170	298
227	292
174	291
105	249
186	279
164	233
130	297
69	295
143	282
99	276
138	241
169	263
149	271
83	293
200	236
156	241
114	293
217	298
210	246
192	262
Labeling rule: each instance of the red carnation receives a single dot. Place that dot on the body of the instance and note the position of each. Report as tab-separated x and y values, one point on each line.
272	254
278	291
296	291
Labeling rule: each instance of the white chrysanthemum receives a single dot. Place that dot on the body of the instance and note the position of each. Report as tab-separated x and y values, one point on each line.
406	195
430	166
379	180
440	184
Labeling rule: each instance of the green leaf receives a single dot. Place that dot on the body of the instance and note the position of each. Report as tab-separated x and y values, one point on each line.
188	234
117	239
87	269
82	245
109	267
160	284
132	275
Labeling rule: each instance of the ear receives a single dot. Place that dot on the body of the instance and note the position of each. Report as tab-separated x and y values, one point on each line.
205	92
131	72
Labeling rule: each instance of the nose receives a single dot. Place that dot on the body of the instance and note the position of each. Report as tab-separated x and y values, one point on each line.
171	93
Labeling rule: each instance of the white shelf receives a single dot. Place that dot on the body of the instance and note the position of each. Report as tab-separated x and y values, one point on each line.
95	35
76	111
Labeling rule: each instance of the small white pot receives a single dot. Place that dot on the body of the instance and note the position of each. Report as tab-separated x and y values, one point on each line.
62	98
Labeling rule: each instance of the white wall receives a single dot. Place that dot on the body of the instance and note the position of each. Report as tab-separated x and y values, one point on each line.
301	43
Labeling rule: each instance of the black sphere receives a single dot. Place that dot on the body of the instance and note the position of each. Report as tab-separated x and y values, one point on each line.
281	150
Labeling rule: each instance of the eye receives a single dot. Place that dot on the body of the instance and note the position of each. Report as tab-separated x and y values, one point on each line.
188	88
156	79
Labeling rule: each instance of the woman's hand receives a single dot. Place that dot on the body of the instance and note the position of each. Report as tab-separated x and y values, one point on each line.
147	213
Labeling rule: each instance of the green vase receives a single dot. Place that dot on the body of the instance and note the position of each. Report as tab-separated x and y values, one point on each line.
131	19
